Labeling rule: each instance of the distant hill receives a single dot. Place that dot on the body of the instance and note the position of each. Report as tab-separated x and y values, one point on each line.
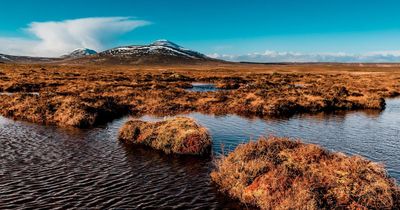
25	59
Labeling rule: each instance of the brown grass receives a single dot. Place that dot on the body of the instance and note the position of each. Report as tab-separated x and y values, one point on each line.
84	96
278	173
66	111
180	135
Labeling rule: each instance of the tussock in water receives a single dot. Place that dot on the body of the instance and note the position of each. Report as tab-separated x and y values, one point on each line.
177	136
277	173
71	111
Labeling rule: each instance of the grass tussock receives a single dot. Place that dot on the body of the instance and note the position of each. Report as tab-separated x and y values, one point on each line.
64	111
173	136
278	173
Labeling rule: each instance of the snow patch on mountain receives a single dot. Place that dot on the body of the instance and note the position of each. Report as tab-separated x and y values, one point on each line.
3	57
159	47
80	52
166	43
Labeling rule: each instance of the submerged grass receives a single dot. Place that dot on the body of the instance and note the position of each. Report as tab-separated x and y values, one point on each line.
179	135
278	173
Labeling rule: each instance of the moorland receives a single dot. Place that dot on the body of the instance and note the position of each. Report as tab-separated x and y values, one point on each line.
87	95
270	173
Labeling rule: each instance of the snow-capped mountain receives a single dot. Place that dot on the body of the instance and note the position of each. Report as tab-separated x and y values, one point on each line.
158	52
161	51
80	52
5	58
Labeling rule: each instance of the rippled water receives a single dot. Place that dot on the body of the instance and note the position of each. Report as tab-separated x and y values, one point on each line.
53	167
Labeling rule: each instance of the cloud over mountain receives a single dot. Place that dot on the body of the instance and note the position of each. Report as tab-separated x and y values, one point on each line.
274	56
56	38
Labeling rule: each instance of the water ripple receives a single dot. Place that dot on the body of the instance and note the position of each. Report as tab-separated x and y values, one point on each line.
49	167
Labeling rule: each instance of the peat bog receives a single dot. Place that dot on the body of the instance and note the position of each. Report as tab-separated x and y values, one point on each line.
84	96
89	96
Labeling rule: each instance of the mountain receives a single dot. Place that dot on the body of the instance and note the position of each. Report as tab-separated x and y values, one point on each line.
80	52
24	59
159	52
5	58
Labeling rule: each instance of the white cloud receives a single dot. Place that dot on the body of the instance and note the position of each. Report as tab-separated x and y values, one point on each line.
57	38
274	56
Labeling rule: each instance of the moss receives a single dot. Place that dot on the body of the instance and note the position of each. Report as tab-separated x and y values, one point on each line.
278	173
178	136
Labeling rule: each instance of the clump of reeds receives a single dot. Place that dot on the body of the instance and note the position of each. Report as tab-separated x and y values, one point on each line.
278	173
179	135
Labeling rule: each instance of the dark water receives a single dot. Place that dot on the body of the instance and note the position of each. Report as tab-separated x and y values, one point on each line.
202	87
51	167
27	93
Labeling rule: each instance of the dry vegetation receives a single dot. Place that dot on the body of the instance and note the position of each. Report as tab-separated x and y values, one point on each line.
278	173
274	173
173	136
85	95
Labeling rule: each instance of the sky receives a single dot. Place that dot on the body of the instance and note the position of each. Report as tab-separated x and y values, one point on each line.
251	30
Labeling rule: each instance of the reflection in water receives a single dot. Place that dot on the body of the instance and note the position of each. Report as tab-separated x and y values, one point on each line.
26	93
69	168
202	87
372	134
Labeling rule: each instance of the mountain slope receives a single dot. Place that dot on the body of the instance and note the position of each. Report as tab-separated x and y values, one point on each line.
24	59
80	52
4	58
159	52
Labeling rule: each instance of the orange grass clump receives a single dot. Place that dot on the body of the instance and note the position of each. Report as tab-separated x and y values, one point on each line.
179	135
278	173
61	110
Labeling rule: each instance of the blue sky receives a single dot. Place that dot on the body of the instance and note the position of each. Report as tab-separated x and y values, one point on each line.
220	27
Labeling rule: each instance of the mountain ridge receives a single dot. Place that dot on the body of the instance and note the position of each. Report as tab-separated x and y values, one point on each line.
159	52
